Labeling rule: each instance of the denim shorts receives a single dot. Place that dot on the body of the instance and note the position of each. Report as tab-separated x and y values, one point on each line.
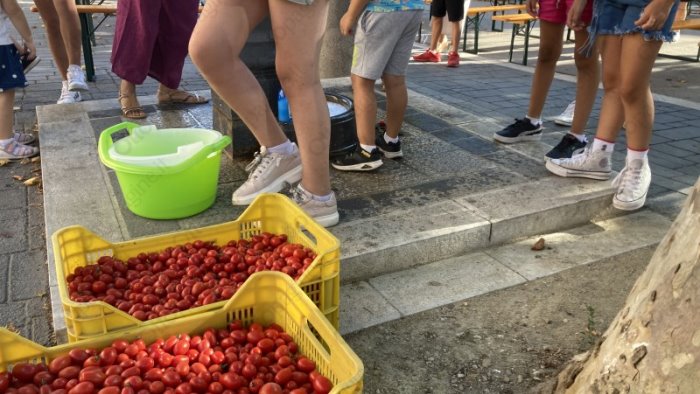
617	17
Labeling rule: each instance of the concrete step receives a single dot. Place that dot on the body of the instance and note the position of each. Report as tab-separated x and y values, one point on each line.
464	202
387	297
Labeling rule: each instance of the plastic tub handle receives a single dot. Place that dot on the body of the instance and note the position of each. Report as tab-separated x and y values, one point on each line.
105	142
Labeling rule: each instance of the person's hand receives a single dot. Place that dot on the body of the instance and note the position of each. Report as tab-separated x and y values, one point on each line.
573	18
30	49
347	24
531	7
654	15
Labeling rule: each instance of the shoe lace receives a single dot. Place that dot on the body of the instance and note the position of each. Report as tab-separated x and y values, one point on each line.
628	179
261	162
298	196
580	158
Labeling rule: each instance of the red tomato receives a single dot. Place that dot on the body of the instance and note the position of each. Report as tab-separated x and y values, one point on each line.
145	363
113	380
198	384
69	373
59	383
83	388
299	390
171	378
182	368
108	356
40	379
215	387
232	381
271	388
59	363
24	372
300	377
92	374
4	381
114	370
283	376
109	390
321	385
305	365
92	361
135	382
28	389
255	385
131	371
183	388
181	347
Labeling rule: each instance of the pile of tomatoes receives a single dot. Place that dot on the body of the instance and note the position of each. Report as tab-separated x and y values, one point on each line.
178	278
235	360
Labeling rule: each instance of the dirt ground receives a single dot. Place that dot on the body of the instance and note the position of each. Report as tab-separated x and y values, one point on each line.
507	341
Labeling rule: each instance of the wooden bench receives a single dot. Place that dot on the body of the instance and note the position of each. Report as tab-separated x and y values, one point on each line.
522	24
85	9
688	24
474	17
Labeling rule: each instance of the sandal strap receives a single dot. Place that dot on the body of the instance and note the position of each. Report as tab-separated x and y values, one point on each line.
23	138
14	148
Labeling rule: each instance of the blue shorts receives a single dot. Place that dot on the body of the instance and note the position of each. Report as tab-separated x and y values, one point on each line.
11	72
617	17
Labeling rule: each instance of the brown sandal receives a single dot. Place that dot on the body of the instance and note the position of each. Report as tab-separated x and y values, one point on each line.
180	97
134	112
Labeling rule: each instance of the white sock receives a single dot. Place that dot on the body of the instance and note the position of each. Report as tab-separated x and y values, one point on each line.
600	145
580	137
65	84
534	121
368	148
636	154
7	141
388	139
327	197
285	148
73	66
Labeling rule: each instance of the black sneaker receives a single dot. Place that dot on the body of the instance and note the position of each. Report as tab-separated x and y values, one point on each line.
566	148
381	127
521	130
390	150
28	65
359	160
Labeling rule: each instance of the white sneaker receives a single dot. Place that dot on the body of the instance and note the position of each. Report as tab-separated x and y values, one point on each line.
632	185
76	78
324	212
588	164
566	117
68	97
269	172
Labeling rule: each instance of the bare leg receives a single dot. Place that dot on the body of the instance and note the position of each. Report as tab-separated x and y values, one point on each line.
365	103
70	29
636	61
455	36
215	46
299	29
397	100
7	100
551	36
53	34
611	110
587	79
436	32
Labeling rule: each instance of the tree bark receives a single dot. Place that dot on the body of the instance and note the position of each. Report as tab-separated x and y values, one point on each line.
653	344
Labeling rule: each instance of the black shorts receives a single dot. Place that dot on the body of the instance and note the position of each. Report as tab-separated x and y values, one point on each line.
453	8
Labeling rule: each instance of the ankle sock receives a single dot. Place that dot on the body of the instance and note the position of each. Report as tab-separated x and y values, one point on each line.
580	137
636	154
285	148
602	145
368	148
388	139
534	121
315	197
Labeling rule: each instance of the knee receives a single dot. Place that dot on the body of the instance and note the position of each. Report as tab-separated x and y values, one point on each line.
632	91
611	82
204	51
393	82
585	63
548	55
295	77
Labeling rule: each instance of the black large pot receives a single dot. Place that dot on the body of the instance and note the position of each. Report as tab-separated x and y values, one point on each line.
343	132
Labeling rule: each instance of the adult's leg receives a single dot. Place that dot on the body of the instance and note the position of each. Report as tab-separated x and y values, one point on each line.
396	102
299	29
49	15
365	103
611	110
70	29
587	79
215	48
551	41
636	61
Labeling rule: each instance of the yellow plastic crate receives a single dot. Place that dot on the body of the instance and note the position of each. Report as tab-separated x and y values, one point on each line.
265	298
76	246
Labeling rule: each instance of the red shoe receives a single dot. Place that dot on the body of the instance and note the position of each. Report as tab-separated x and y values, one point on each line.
452	59
427	56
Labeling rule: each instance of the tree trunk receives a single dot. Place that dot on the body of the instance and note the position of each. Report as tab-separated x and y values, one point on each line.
653	344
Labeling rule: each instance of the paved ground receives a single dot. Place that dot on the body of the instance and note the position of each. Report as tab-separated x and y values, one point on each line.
480	86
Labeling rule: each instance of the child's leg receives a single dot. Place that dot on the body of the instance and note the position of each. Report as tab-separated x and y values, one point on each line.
551	41
365	103
396	102
7	100
611	110
636	61
587	78
48	13
70	29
